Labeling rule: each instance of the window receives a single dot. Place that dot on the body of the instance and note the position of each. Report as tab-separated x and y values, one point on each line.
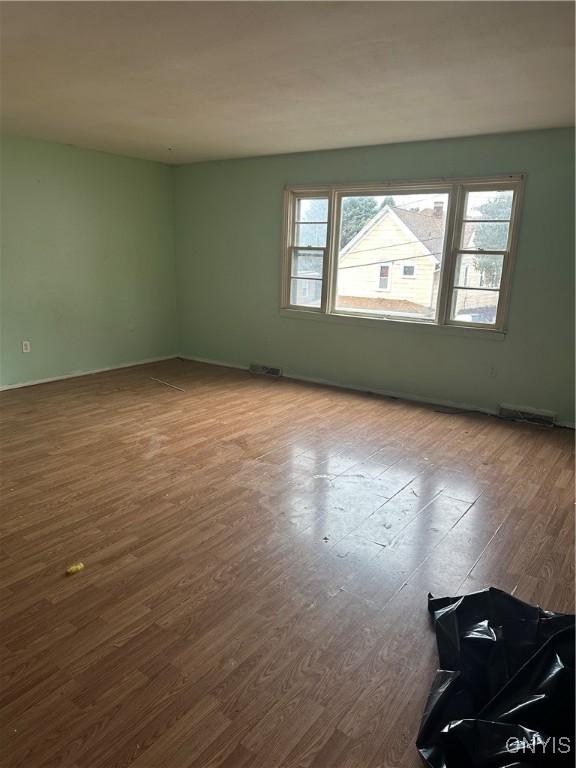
384	277
452	240
484	238
309	251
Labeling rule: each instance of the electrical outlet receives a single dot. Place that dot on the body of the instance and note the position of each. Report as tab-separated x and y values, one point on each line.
25	346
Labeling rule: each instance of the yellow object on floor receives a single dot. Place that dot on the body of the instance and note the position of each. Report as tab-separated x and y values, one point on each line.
74	568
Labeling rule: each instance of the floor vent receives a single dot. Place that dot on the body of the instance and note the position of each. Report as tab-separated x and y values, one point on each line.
265	370
514	413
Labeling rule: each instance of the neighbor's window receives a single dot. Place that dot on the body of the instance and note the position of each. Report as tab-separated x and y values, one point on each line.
384	277
453	240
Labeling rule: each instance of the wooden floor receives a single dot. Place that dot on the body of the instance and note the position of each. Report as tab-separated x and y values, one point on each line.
258	555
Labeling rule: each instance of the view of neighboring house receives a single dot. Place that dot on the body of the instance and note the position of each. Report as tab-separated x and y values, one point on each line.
392	266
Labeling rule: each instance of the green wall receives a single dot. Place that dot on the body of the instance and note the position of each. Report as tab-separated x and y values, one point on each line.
107	261
228	228
88	261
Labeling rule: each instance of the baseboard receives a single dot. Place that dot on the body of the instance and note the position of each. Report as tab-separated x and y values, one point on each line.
210	361
354	388
368	390
287	375
79	374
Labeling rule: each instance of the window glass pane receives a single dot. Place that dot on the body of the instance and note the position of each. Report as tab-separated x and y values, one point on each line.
305	293
479	270
489	235
312	209
469	306
310	235
489	205
307	263
394	231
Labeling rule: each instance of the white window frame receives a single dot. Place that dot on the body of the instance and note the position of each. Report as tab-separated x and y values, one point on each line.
456	189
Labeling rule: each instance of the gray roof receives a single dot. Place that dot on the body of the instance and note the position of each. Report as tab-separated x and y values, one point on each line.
426	226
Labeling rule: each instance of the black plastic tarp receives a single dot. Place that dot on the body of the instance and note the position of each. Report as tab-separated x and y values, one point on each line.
503	696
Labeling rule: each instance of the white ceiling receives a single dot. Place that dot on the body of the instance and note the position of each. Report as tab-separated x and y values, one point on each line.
188	81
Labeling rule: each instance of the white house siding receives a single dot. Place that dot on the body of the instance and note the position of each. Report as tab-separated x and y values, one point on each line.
387	242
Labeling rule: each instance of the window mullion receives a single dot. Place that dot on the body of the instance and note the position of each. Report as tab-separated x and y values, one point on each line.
288	241
330	270
451	240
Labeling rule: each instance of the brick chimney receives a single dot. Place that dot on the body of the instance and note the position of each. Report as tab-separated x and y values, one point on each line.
438	208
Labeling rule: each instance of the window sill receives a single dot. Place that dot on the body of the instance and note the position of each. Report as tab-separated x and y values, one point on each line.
417	326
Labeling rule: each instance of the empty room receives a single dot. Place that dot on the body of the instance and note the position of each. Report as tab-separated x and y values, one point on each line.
287	384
